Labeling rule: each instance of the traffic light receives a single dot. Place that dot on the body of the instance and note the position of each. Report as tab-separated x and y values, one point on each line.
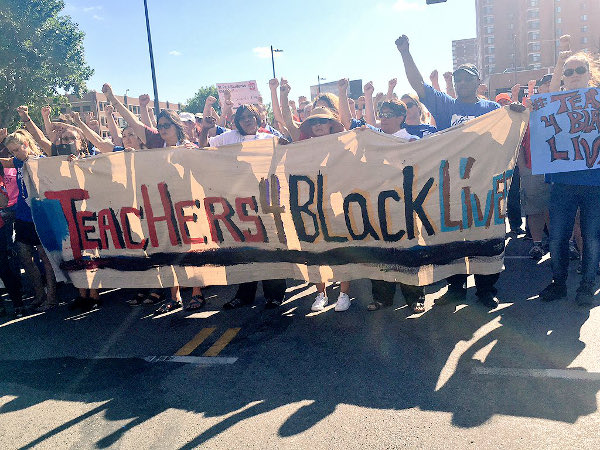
431	2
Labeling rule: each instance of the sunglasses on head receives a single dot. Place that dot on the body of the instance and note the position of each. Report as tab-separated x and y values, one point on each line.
164	126
580	70
319	121
410	104
388	115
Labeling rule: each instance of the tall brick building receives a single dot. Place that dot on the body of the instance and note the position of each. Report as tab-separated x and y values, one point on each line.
518	38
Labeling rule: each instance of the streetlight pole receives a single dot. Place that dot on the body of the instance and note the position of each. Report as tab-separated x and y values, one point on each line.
156	102
125	97
319	79
276	50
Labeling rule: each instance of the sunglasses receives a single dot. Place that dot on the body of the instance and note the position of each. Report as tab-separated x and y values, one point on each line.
580	70
389	115
164	126
319	121
410	104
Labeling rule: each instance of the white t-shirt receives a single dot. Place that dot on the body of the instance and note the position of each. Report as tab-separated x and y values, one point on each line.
235	137
403	134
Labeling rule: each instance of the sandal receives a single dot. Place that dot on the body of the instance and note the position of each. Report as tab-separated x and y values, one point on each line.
169	306
138	300
196	302
417	307
374	306
153	298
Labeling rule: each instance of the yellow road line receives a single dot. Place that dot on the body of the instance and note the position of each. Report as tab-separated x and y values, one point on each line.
195	342
222	342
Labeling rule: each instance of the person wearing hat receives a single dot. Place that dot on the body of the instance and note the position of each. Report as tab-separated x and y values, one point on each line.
189	124
449	112
503	99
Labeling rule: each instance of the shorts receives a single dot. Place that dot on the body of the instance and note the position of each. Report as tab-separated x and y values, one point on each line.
535	194
25	233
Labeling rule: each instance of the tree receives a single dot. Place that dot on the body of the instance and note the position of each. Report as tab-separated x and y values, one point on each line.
40	52
196	103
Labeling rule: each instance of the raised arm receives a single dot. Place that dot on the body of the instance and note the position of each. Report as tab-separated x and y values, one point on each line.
145	115
369	106
136	124
273	85
412	72
564	47
284	92
449	84
46	111
115	133
391	86
32	128
435	80
360	107
101	144
345	114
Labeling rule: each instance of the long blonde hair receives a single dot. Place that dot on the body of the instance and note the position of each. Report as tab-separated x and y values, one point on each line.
21	137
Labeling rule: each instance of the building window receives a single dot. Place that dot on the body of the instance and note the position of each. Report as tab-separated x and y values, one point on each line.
558	20
534	3
558	33
535	47
584	40
489	40
535	57
487	10
86	109
76	108
584	18
489	50
533	35
533	14
488	20
558	9
533	25
584	29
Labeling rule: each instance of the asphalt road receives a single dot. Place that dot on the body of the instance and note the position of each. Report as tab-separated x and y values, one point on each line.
526	375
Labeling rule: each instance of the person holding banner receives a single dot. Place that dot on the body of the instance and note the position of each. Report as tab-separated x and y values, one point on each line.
571	191
449	112
22	146
247	120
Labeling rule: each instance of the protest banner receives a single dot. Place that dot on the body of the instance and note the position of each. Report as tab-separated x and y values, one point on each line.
357	204
565	131
241	92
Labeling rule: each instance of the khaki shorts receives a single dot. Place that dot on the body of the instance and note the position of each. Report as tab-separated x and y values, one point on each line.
535	194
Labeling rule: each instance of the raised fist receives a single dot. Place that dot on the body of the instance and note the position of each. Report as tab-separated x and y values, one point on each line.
210	100
46	111
109	110
343	85
227	94
392	83
284	87
107	90
369	89
361	102
402	44
144	100
273	83
448	76
564	43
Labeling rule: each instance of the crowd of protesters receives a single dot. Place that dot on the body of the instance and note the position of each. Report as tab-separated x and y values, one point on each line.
562	210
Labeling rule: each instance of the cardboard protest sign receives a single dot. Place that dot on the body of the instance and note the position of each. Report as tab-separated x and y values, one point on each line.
565	131
357	204
241	92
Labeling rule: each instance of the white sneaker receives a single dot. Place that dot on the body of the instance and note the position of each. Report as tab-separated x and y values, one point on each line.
343	302
320	303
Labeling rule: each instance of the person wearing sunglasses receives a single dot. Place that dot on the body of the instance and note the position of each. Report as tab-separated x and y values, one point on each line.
415	123
570	191
449	112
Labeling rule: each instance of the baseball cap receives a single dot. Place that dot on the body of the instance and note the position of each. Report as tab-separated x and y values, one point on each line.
471	69
503	96
187	117
199	116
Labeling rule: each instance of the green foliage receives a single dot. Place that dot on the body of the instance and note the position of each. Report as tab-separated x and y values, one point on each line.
196	103
40	52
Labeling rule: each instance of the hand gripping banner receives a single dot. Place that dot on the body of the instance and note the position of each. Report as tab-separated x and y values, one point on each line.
358	204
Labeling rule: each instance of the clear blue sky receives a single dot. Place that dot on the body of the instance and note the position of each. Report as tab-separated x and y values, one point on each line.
200	42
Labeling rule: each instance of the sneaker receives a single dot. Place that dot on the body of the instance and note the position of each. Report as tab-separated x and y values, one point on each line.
536	252
554	291
573	252
585	296
320	302
489	300
343	302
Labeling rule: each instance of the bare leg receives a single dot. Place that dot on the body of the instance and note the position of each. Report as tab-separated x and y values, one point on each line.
536	225
344	286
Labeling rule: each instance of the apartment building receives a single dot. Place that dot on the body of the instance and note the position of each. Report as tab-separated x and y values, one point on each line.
96	101
464	51
519	37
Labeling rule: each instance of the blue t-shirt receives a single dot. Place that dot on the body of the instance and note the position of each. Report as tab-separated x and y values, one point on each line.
420	130
448	111
22	210
576	178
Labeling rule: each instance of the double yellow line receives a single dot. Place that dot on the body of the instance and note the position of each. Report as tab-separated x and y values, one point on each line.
215	349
